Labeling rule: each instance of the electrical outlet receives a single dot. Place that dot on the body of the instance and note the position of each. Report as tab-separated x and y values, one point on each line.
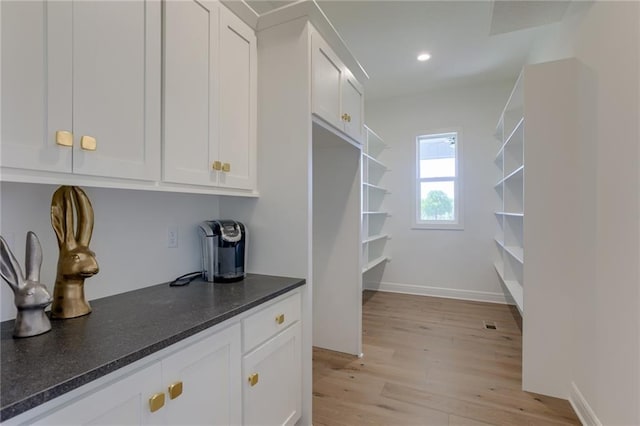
172	237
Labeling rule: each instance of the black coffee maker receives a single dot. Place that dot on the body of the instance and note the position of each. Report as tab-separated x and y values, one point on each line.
223	250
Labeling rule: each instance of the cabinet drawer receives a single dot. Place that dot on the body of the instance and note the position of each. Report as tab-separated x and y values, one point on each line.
268	322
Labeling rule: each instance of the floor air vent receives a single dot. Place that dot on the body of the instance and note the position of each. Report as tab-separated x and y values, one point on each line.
489	325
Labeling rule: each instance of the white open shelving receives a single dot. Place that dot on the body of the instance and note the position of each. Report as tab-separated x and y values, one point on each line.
509	257
374	238
546	216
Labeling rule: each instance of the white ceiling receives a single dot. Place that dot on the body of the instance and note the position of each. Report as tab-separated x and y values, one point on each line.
469	41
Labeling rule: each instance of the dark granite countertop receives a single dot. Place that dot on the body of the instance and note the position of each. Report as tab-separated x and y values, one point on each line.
121	329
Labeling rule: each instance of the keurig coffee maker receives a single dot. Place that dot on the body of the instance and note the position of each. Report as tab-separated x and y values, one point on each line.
223	250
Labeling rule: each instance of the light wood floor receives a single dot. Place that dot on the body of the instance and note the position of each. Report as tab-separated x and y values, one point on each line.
430	361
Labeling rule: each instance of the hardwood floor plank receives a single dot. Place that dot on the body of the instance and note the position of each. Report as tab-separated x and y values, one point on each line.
463	421
430	361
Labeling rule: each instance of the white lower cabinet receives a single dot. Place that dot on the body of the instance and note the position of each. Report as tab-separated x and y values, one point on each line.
207	379
124	402
201	382
272	392
196	385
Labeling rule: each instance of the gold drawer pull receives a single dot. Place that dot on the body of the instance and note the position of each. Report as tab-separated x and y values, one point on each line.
280	318
216	165
344	117
253	379
348	118
226	167
175	390
156	402
88	143
64	138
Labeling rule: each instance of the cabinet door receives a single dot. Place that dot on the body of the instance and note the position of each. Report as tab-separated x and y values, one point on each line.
238	102
274	398
36	84
125	402
116	88
326	70
209	372
190	91
353	106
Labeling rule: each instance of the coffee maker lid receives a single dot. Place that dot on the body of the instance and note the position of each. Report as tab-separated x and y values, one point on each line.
228	230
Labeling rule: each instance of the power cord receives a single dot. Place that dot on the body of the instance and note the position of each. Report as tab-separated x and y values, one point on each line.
185	279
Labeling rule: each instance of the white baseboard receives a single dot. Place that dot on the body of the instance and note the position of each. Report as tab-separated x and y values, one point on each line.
580	405
449	293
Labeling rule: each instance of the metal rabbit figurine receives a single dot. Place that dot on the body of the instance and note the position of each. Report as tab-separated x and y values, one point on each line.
75	262
31	297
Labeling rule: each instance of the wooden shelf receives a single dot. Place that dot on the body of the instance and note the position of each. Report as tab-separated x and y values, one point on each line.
376	187
519	127
514	288
516	252
375	238
510	214
514	175
375	262
375	161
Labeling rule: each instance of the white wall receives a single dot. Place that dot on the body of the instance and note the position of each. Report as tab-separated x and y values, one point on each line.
606	37
442	262
129	236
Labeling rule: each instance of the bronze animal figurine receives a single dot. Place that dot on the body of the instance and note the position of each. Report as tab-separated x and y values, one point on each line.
30	296
75	262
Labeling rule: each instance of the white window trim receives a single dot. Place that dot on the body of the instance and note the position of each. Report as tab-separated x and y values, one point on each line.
457	225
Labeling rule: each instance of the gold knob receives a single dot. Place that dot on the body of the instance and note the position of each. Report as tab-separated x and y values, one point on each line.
348	118
88	143
175	390
344	117
216	165
156	401
253	379
226	167
64	138
280	319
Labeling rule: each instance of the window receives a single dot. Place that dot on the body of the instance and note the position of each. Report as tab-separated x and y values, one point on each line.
438	203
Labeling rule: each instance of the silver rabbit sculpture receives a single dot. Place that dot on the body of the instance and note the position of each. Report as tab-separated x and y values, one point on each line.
31	296
75	262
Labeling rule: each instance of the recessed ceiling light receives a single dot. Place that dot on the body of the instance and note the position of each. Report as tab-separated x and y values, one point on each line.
424	57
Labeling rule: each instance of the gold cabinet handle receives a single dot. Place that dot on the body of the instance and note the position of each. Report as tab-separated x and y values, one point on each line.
344	117
156	401
175	390
216	165
348	118
226	167
253	379
88	143
64	138
280	318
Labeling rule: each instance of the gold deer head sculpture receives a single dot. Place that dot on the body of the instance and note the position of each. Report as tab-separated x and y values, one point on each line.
75	262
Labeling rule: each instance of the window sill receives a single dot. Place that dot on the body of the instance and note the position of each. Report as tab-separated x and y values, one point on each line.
438	226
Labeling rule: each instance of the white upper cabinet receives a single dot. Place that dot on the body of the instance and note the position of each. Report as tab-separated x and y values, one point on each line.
353	106
238	105
337	97
36	84
190	91
116	88
90	69
327	77
210	96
